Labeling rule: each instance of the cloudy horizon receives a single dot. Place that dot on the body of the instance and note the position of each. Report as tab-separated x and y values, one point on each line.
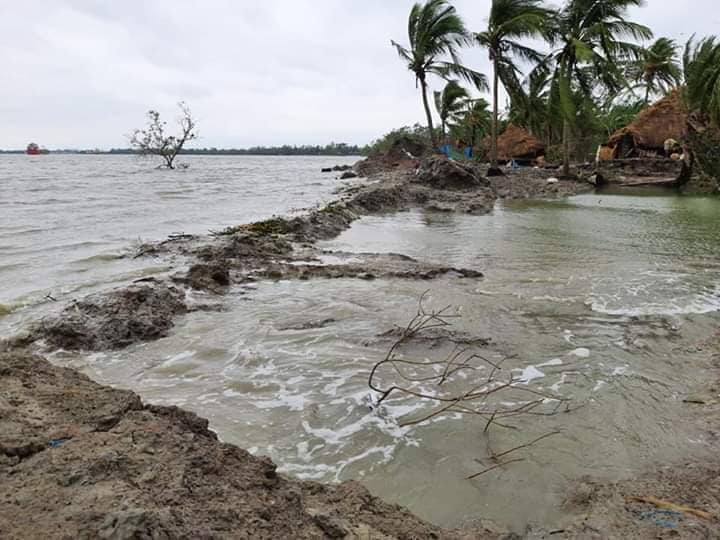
82	73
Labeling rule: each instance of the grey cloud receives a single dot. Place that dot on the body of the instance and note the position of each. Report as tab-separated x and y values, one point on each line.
81	72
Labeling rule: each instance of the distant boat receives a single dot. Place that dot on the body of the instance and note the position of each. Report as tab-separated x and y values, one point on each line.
34	150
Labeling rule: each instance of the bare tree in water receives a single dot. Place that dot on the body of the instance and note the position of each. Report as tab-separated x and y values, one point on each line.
153	141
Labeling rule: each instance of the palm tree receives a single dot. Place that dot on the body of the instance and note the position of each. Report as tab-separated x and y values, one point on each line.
590	35
436	33
450	102
529	104
658	68
475	120
701	64
509	21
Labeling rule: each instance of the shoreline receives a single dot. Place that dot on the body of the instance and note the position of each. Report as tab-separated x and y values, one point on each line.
279	248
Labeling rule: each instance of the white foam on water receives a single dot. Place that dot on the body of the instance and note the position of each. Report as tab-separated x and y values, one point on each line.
556	387
556	299
580	352
185	355
618	371
598	386
293	402
701	303
529	374
553	362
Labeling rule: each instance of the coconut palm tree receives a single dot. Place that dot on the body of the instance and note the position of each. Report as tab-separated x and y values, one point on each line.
436	33
529	104
450	103
658	68
701	63
590	36
474	121
510	21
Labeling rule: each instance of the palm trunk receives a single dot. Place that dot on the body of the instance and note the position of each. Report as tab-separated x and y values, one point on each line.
494	149
647	95
423	86
566	148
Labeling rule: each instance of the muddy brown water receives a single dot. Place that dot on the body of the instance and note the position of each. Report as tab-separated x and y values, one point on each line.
603	298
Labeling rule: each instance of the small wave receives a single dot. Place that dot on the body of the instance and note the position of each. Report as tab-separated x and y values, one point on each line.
700	305
707	301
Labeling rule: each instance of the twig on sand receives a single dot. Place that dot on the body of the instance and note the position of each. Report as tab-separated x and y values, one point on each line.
497	466
666	505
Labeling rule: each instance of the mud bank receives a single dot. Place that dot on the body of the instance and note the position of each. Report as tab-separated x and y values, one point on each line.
284	248
80	460
275	249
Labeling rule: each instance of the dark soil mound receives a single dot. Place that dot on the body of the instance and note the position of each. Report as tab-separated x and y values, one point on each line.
114	320
441	173
404	153
208	277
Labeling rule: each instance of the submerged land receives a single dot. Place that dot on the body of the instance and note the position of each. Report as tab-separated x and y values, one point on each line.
78	459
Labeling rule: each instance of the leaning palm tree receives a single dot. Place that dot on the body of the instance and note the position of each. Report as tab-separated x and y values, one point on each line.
591	39
658	68
436	33
510	21
701	63
450	103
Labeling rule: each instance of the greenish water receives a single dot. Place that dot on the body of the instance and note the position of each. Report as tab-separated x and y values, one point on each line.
603	298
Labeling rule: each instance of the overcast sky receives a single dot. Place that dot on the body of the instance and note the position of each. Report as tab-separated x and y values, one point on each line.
81	73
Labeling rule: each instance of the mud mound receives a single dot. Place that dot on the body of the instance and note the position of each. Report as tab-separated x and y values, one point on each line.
404	153
114	320
78	460
208	277
441	173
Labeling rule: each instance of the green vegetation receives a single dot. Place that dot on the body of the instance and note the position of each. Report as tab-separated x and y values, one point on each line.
510	20
701	63
590	35
416	133
450	103
435	32
657	69
587	72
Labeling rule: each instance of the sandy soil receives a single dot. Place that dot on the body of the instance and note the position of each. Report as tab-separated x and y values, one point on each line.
80	460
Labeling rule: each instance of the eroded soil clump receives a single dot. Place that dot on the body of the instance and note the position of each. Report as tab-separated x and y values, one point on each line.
114	320
80	460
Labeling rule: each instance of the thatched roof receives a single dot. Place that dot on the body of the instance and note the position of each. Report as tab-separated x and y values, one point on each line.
666	119
518	143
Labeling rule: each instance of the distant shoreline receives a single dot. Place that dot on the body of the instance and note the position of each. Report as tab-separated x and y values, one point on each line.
338	151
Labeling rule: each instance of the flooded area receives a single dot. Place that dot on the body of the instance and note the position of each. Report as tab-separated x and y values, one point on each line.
600	299
65	219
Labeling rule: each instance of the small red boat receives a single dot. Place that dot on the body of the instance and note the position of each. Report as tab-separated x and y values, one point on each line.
34	150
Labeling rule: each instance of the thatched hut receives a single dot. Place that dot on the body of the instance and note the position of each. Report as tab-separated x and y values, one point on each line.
663	121
518	144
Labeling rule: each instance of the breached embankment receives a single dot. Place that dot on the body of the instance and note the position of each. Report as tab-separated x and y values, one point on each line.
285	248
82	460
275	249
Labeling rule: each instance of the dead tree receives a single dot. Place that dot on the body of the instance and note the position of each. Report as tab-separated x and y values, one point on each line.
464	382
153	141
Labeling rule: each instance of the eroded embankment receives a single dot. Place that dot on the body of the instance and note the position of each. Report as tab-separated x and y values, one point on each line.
81	460
284	248
275	249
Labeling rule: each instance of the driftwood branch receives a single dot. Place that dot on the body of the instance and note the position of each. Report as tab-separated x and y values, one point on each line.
464	382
